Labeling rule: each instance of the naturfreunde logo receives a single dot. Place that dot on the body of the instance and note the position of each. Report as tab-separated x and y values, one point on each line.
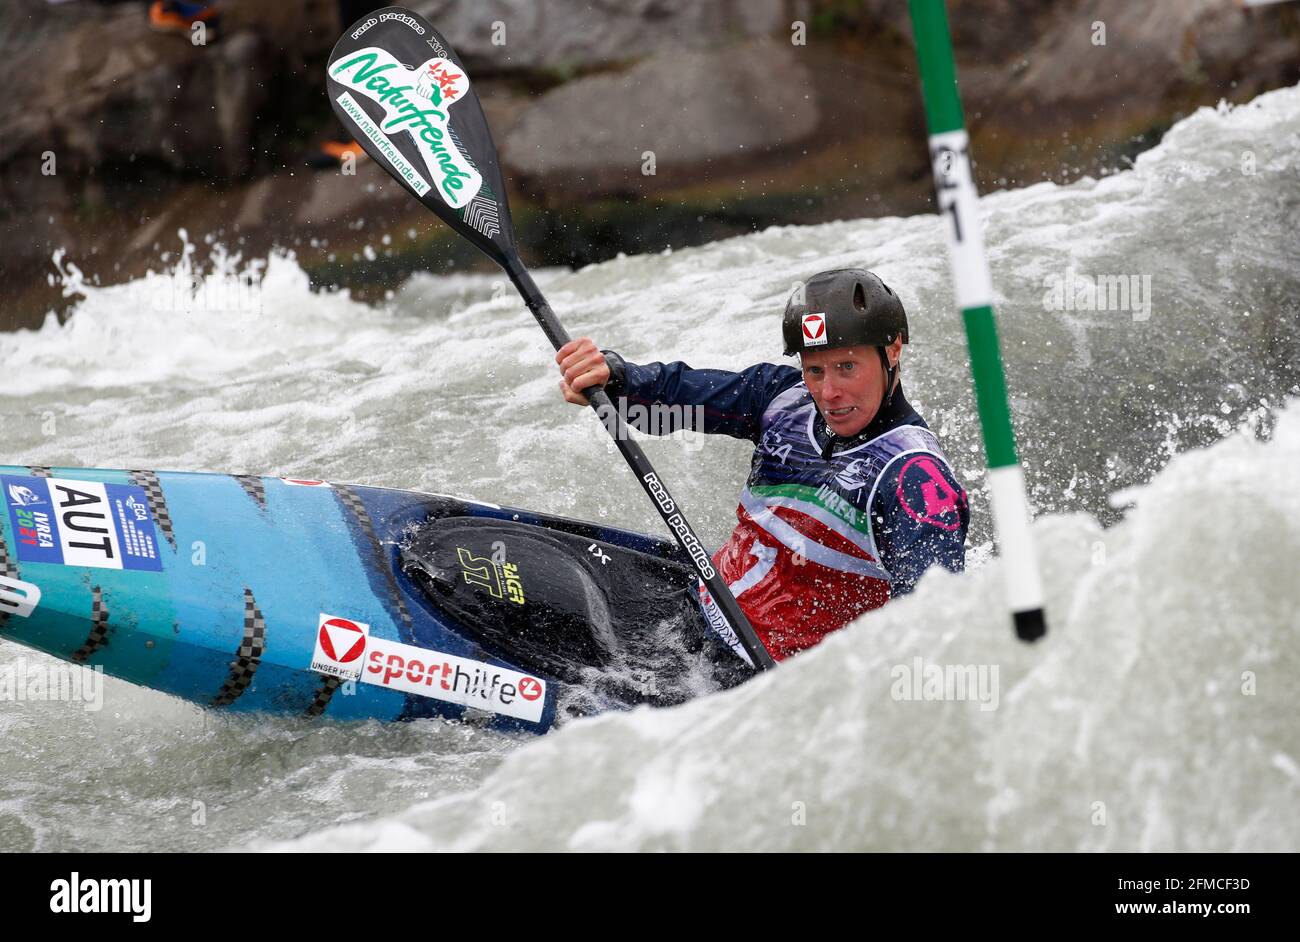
21	682
420	108
77	895
922	681
1079	292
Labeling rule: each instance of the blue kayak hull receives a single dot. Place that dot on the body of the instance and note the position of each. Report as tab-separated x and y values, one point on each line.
256	594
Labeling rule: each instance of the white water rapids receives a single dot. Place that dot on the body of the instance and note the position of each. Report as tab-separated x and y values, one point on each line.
1161	450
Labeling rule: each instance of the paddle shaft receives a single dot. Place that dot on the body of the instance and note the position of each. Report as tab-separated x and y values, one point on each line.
378	51
645	473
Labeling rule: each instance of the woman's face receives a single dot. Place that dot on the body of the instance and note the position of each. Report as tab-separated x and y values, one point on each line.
848	384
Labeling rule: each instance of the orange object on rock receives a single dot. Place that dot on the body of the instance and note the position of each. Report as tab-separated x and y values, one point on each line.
174	17
339	149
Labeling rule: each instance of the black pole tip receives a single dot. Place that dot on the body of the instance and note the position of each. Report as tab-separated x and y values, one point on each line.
1030	625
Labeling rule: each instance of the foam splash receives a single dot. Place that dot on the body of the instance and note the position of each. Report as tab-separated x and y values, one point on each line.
1156	715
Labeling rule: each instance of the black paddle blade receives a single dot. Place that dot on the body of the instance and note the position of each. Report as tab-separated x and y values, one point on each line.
402	91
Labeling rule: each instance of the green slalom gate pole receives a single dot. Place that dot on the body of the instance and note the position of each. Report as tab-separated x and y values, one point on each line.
957	199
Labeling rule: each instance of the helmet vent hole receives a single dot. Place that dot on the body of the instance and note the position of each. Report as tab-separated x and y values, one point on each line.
859	297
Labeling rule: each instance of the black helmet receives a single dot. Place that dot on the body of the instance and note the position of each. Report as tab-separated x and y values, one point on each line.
842	308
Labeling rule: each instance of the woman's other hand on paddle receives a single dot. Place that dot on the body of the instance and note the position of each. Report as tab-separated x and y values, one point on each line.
583	366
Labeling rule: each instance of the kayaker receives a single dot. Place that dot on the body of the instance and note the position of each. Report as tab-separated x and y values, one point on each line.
849	497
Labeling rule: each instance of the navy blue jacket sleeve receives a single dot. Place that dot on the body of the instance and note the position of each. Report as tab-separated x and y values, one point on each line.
712	401
920	514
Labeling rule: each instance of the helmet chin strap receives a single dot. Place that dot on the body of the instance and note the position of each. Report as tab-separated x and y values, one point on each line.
891	374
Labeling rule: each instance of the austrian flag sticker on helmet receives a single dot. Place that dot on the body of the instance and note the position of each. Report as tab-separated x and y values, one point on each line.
814	330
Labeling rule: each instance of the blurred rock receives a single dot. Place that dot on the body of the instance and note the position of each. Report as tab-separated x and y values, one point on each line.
1156	56
100	110
686	107
93	85
557	36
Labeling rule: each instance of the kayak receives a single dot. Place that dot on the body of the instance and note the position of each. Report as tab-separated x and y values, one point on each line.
301	597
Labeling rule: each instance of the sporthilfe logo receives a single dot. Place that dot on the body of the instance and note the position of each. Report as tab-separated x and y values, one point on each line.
452	679
346	650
